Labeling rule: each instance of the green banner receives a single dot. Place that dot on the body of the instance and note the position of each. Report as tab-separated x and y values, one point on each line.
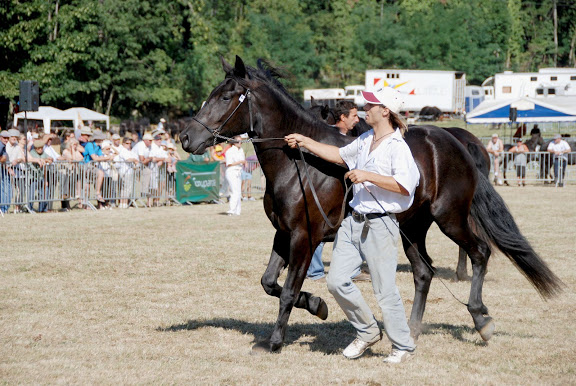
197	181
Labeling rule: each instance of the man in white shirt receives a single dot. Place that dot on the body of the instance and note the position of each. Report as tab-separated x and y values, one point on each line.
126	160
235	158
385	178
560	149
495	148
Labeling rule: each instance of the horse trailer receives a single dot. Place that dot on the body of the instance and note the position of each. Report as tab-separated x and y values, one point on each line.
423	88
547	82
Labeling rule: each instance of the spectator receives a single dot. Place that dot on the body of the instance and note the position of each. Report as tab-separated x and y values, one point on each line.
117	143
159	157
520	160
201	158
161	124
5	193
219	155
73	155
143	150
234	160
110	174
247	170
93	153
126	161
84	137
173	158
38	163
495	148
560	149
135	139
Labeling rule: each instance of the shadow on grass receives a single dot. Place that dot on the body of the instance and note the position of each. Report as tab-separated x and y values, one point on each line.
328	338
459	332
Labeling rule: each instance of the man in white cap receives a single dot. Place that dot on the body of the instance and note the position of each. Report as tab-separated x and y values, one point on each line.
385	177
560	149
161	124
495	148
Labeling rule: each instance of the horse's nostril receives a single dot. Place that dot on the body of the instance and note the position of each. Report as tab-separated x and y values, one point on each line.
185	141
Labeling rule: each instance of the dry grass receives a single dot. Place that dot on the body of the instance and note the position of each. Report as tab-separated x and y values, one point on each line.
172	296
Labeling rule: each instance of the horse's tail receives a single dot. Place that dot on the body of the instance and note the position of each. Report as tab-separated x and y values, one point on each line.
495	224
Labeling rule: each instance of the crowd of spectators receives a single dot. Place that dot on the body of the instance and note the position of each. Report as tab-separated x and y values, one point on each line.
85	156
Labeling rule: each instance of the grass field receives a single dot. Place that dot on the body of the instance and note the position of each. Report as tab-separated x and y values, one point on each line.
172	296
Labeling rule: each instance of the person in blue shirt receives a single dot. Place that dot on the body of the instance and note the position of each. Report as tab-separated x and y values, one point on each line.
92	155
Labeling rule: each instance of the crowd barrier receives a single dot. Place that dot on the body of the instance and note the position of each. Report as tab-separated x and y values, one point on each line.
63	185
33	188
539	167
29	187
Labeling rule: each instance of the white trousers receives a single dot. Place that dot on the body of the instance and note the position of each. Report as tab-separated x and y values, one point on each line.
234	178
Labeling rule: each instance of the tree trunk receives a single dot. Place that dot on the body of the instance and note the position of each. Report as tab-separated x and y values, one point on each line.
110	102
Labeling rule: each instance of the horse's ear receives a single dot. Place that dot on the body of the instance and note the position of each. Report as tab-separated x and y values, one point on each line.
312	102
325	111
239	68
227	67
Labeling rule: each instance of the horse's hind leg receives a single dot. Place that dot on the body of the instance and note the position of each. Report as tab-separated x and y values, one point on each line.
479	253
278	261
413	241
461	269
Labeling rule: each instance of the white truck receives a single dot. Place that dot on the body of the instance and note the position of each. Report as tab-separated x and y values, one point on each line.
442	89
547	82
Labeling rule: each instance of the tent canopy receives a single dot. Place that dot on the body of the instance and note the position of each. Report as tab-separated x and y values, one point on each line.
557	109
47	114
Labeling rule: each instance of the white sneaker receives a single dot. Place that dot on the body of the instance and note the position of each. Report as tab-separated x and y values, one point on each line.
399	356
357	348
251	199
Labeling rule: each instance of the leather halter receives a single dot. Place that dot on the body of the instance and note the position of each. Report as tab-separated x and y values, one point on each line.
216	132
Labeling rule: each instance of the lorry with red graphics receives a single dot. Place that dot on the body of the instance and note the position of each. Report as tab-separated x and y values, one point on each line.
444	90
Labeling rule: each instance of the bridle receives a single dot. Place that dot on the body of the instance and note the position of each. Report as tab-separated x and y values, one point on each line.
216	132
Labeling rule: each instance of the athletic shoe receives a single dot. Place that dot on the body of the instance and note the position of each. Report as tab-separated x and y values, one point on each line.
358	347
251	199
399	356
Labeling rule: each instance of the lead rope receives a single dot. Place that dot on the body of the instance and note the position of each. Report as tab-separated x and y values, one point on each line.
412	245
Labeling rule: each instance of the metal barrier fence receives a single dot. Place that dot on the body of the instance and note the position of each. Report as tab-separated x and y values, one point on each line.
539	167
30	187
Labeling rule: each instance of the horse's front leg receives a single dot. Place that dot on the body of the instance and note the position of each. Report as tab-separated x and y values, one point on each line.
290	295
278	260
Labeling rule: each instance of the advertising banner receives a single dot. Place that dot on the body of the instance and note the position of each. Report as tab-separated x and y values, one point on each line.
197	181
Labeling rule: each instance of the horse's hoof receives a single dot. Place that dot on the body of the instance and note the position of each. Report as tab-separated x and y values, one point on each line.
264	348
488	329
463	277
322	310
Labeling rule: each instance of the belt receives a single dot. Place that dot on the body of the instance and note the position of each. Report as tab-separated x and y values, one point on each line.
359	217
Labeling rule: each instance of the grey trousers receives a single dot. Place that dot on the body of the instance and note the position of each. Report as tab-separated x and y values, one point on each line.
378	246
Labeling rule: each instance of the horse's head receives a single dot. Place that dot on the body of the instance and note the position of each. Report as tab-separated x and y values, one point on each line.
226	113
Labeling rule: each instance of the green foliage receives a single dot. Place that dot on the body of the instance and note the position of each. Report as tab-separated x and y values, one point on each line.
162	57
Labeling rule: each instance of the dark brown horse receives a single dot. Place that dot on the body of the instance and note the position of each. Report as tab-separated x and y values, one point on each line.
450	192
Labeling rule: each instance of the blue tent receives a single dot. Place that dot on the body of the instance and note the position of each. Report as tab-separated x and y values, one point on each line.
550	109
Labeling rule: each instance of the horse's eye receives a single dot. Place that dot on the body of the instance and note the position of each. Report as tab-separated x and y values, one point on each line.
226	97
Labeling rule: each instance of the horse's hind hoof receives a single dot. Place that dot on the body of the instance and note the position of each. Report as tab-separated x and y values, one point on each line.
264	347
322	310
487	331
